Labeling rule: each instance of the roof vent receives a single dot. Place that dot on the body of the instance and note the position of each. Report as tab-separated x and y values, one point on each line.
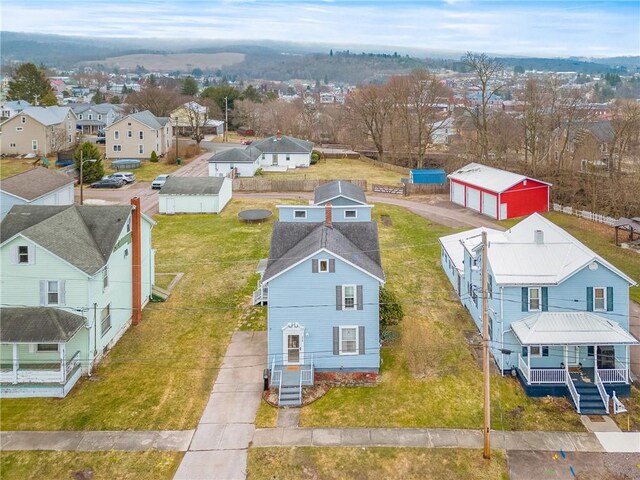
538	236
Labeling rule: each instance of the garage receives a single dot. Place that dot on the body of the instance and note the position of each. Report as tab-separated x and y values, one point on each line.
482	188
194	195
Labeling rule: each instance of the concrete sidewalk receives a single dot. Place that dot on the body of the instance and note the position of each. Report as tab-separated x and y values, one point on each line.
445	438
219	446
172	441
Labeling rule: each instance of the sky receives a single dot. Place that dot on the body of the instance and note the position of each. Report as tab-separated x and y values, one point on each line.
519	27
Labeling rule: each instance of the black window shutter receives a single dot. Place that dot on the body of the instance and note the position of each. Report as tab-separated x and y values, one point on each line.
525	352
361	348
545	299
590	351
338	297
359	297
545	351
332	265
314	265
609	299
589	299
336	341
525	299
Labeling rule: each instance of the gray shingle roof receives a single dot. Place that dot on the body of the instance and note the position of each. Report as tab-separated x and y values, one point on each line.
34	183
38	324
149	119
356	242
283	145
603	131
236	155
47	115
84	236
101	108
192	186
338	188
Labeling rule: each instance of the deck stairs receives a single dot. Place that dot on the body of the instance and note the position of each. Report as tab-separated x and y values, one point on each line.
290	391
590	401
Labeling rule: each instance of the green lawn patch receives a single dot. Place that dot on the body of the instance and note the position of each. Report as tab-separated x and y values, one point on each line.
267	416
160	374
329	463
150	465
429	377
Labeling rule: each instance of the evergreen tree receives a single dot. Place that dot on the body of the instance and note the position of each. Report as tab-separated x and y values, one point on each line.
31	84
91	171
190	87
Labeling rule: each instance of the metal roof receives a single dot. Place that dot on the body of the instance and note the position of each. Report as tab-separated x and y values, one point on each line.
192	186
570	328
147	118
38	325
84	236
284	144
47	116
489	178
453	244
236	155
338	188
34	183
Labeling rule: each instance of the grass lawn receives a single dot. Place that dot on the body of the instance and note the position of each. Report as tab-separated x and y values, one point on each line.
429	376
160	374
148	171
151	464
267	416
164	279
631	419
377	463
345	169
13	166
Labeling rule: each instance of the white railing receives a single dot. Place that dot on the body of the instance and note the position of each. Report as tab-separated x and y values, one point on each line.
547	375
572	390
300	390
524	368
260	295
594	217
603	393
276	375
280	388
614	375
30	376
73	363
307	374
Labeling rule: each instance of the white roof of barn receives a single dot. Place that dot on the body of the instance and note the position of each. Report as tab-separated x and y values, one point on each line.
570	328
454	244
516	258
489	178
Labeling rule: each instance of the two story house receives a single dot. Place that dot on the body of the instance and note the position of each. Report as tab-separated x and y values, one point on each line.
39	130
323	278
558	312
137	135
92	118
73	279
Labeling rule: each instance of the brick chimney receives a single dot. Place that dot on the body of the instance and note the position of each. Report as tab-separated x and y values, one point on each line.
278	134
136	260
328	220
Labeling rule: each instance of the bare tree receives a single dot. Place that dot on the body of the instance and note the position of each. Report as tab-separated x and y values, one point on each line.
197	113
161	102
370	110
626	132
485	70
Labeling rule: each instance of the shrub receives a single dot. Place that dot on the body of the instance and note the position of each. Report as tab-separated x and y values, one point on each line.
391	312
315	157
259	172
154	157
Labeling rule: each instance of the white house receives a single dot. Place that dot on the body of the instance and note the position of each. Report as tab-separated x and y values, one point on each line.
10	108
137	135
92	118
277	153
74	278
38	186
194	194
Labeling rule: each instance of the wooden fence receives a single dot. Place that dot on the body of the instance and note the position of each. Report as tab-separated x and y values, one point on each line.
594	217
254	184
427	189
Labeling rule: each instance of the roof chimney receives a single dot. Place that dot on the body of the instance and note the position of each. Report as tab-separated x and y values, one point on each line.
538	236
278	134
136	261
328	216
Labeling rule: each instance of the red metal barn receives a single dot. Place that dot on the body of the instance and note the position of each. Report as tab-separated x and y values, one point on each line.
497	193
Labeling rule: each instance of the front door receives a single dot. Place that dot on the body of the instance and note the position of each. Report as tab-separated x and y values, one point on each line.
606	357
171	205
573	355
293	344
274	159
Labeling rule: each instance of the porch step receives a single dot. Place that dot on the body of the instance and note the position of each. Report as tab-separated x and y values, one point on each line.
590	401
289	395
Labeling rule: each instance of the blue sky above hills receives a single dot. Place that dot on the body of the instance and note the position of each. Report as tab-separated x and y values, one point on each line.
545	28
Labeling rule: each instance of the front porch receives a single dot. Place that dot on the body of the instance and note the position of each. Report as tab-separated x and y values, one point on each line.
289	379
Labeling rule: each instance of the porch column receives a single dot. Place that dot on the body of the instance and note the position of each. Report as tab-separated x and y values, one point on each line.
63	363
595	362
627	363
16	363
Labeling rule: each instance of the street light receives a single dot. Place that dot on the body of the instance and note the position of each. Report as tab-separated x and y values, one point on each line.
82	162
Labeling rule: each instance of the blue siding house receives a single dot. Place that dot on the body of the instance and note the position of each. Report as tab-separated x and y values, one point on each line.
323	279
558	312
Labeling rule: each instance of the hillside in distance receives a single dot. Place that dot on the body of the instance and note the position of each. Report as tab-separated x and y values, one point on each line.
171	62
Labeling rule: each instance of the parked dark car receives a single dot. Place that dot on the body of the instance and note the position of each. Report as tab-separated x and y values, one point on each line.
108	183
101	141
244	141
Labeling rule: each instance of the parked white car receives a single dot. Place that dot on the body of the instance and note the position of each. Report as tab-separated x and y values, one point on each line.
126	177
159	181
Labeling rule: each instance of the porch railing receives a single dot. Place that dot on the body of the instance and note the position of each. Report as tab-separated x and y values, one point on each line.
524	368
260	295
276	374
603	393
572	390
620	374
547	375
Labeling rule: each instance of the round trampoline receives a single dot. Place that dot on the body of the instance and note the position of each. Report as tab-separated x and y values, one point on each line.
254	216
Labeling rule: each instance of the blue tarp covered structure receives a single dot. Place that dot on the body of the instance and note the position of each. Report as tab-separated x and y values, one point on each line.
436	176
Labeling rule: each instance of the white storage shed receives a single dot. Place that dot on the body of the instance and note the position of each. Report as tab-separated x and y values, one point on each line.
194	195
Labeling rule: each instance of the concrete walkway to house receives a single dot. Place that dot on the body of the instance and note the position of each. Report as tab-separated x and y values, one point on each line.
219	446
446	438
